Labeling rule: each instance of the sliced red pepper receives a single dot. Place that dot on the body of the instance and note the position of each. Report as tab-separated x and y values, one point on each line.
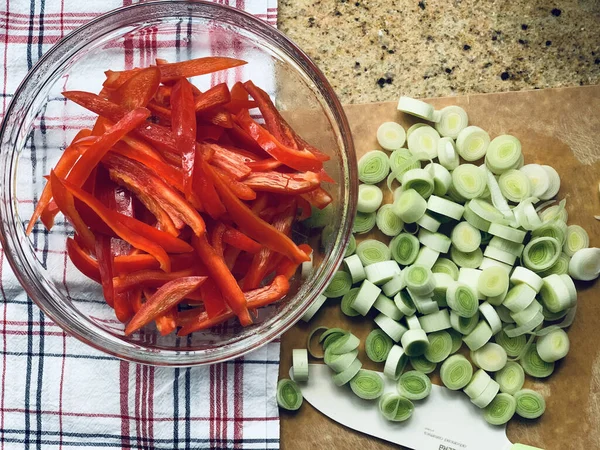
64	164
137	90
288	268
114	79
196	67
243	140
217	95
230	256
90	159
135	299
160	137
160	111
230	161
240	241
205	189
319	198
152	190
137	233
301	160
82	260
283	183
304	209
166	323
163	95
256	298
251	225
276	124
105	267
217	116
216	238
149	278
264	165
232	294
212	299
239	99
66	203
183	126
163	300
241	190
209	132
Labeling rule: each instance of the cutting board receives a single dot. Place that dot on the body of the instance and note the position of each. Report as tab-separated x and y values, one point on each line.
560	127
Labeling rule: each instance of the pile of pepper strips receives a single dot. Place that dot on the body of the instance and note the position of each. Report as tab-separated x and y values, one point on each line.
179	198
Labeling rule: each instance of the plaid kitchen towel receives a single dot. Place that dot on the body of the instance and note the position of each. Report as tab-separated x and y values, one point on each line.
56	392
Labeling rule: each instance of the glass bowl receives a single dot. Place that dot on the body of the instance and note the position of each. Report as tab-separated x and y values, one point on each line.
40	122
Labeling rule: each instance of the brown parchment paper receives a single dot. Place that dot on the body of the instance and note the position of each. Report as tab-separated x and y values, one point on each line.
560	127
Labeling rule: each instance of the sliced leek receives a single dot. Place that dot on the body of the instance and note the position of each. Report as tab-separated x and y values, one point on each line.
414	385
300	364
585	264
490	357
444	265
387	306
367	385
355	268
339	363
422	364
441	178
480	336
445	207
540	253
491	316
538	177
388	222
465	237
427	257
453	119
344	377
463	325
423	143
309	342
462	300
553	346
404	248
472	143
435	241
373	167
410	206
395	285
419	279
439	348
515	185
420	180
429	223
447	154
416	108
288	395
313	308
364	222
528	277
513	346
530	404
437	321
404	303
492	282
391	136
468	181
369	198
340	284
488	394
347	301
471	260
395	362
414	342
393	329
555	294
456	372
501	409
535	366
554	183
510	378
371	251
479	382
503	154
381	272
378	345
365	297
395	408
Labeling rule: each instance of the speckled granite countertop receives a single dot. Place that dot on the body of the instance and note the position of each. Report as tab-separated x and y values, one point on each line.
374	50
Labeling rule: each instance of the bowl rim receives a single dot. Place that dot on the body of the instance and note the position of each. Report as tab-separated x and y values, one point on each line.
139	353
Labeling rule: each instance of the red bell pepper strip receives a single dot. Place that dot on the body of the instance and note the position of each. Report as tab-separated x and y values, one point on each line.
163	300
114	79
240	241
216	238
137	233
230	255
251	225
318	198
205	189
82	260
241	190
304	209
217	95
217	116
135	299
144	183
212	299
166	323
160	111
210	132
163	95
149	278
64	164
138	90
195	67
288	268
183	126
90	159
232	294
264	165
256	298
231	162
243	140
239	99
283	183
301	160
105	267
160	137
66	203
276	124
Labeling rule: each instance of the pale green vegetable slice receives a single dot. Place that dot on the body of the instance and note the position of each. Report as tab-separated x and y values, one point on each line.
479	382
535	366
340	284
309	342
513	330
414	342
404	248
526	316
347	301
367	385
387	306
474	219
585	264
435	241
456	372
395	285
555	294
404	159
445	207
500	255
422	364
465	237
492	282
392	328
313	308
507	233
480	336
462	299
288	395
437	321
404	303
503	154
463	325
560	267
344	377
373	167
420	180
442	179
339	363
300	364
369	198
371	251
330	335
444	265
378	345
381	272
416	108
507	246
488	394
468	181
540	253
523	275
427	257
423	143
453	119
515	185
395	362
538	177
553	346
388	222
419	279
556	229
365	298
491	316
471	260
391	136
519	297
472	143
410	206
500	410
530	404
414	127
364	222
513	346
351	247
554	183
447	154
554	212
344	344
354	267
490	357
510	378
456	340
414	385
440	346
395	408
429	223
